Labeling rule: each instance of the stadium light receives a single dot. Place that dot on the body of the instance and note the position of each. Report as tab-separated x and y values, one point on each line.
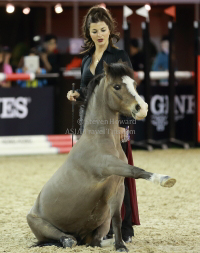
10	8
36	38
58	8
26	10
148	7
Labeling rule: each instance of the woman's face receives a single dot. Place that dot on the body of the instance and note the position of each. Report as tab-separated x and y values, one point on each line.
99	32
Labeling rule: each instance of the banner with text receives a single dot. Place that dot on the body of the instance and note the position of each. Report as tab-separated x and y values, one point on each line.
26	111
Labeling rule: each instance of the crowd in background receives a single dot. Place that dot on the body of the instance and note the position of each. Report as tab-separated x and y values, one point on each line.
14	62
47	52
158	60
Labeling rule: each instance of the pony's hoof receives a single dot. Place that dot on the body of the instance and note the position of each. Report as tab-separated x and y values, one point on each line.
122	250
167	181
68	242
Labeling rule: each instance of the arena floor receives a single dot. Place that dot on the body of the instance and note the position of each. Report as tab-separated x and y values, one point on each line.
170	217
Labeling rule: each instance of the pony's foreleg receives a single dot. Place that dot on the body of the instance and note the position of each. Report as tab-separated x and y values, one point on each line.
115	166
45	232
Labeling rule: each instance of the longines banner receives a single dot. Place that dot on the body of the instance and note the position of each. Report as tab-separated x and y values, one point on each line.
26	111
30	111
184	113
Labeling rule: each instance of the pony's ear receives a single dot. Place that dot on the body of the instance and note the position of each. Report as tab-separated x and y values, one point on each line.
106	67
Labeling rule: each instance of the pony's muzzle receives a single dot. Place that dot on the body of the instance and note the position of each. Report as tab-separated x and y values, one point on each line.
141	111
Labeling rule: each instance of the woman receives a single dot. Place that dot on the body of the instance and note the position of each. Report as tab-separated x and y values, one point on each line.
5	66
99	33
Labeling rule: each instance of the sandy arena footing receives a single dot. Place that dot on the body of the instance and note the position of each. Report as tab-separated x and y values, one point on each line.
170	217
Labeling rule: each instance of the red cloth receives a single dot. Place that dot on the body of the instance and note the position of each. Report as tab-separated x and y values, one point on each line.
132	191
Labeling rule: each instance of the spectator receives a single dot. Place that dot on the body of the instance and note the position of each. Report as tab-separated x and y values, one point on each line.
152	51
18	52
34	83
7	55
50	56
161	60
5	65
137	56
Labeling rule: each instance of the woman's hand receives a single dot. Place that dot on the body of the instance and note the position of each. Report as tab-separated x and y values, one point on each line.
122	133
72	95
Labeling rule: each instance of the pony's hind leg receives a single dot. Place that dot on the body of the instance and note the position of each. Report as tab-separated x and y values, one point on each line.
100	232
94	239
46	232
117	220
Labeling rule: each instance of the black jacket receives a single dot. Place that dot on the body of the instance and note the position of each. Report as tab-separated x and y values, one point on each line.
110	55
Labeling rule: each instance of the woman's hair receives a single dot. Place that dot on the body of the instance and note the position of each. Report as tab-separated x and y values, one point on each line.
98	14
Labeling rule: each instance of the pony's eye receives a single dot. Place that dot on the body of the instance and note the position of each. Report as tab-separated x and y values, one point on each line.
117	87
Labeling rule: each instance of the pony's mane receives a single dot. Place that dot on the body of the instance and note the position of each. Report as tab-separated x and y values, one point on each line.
91	87
119	69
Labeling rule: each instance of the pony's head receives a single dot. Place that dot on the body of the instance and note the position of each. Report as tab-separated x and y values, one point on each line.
121	91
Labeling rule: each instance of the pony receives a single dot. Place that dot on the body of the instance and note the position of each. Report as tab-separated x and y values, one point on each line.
78	203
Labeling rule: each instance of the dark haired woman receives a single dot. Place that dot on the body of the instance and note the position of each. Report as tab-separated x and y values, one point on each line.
5	66
99	34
